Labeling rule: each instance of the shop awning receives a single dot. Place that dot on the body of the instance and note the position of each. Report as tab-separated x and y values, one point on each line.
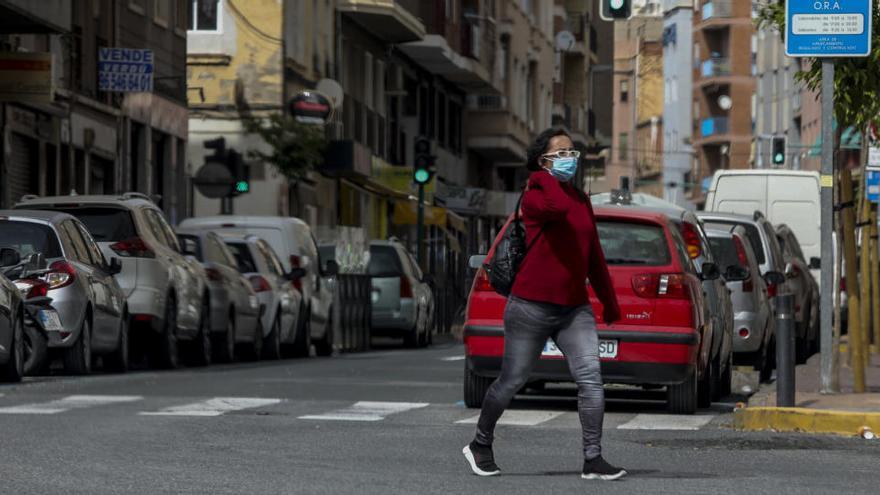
456	222
850	140
371	185
406	213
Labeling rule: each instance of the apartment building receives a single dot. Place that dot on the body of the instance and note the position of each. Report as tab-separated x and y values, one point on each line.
724	88
678	122
637	143
72	134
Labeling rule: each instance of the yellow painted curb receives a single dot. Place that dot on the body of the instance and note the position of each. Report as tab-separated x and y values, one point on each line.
804	420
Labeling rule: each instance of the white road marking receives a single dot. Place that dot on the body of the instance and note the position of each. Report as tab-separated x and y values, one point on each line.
453	358
68	403
518	418
666	422
213	407
367	411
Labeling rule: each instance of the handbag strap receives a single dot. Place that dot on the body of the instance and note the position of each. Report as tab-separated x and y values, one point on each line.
518	219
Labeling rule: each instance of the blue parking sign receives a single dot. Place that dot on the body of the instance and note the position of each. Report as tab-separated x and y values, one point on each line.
828	28
872	183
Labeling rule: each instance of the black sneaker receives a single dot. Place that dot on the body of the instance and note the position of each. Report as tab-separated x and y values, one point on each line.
481	459
598	469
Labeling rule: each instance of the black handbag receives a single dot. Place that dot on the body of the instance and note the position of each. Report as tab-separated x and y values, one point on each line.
509	254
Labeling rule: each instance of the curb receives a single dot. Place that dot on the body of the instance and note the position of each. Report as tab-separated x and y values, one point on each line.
799	419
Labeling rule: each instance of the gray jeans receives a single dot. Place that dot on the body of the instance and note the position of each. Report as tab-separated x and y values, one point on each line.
527	326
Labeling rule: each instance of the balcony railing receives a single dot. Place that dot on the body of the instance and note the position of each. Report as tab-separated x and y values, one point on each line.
715	67
714	126
718	9
486	103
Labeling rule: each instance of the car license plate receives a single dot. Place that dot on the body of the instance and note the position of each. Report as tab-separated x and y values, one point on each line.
607	349
49	319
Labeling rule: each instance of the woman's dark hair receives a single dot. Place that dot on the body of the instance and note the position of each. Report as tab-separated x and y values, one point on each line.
539	147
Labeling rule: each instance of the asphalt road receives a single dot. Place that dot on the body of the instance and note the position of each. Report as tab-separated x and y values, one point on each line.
388	421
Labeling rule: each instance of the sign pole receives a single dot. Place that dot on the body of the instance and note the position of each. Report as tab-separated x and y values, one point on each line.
420	226
828	355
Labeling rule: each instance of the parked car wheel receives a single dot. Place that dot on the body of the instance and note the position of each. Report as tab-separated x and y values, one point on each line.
13	370
201	352
303	344
725	383
682	398
224	345
36	351
272	342
324	347
707	384
78	357
118	360
475	388
165	354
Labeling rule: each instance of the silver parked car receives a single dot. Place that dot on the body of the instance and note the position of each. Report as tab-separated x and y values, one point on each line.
754	325
256	259
233	301
403	302
91	307
166	292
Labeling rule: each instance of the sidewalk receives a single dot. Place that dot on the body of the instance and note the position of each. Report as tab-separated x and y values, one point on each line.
846	413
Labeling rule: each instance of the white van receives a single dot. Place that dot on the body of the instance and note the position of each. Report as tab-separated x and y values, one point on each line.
293	242
784	196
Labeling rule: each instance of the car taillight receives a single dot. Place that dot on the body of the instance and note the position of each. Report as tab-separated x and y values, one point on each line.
842	284
295	262
61	274
31	288
259	283
747	285
482	283
214	274
692	239
134	247
772	289
666	286
405	288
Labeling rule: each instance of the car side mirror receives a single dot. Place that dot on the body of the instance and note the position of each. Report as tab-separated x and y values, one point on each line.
815	263
789	270
774	278
736	273
710	271
476	261
115	266
9	257
187	246
296	274
331	268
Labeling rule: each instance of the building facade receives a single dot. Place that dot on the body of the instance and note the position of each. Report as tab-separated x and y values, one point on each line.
724	87
677	107
74	137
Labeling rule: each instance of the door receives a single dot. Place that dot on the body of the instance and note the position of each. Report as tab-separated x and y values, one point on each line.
108	296
184	277
92	294
7	299
289	297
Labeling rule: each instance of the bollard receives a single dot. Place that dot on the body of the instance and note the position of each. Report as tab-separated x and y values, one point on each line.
785	346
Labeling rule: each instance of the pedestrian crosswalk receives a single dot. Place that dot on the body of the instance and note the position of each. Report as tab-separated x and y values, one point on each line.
338	411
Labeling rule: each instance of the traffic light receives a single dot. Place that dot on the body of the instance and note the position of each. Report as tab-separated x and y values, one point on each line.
778	150
615	10
423	167
241	173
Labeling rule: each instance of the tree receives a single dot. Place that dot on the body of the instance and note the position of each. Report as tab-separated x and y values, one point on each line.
856	80
297	148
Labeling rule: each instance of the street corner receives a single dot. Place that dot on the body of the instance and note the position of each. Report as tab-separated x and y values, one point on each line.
806	420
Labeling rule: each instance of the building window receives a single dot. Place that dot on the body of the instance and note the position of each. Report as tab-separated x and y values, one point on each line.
624	91
205	15
162	12
624	146
137	6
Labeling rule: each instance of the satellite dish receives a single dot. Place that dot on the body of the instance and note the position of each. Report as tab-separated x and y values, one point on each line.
565	41
332	90
725	102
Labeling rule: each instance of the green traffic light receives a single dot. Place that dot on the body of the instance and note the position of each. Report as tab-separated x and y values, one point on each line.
778	158
242	187
422	176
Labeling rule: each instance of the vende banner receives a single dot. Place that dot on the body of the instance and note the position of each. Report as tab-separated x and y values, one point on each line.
125	70
26	77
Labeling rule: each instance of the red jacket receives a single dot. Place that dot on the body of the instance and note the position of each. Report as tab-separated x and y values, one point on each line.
557	266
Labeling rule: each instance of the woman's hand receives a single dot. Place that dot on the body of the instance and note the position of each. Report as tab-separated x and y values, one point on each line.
610	314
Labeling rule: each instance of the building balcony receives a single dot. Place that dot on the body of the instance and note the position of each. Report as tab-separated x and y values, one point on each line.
394	21
435	55
715	67
28	16
718	14
494	131
714	130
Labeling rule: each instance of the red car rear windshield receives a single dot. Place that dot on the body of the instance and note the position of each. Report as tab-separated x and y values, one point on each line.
633	243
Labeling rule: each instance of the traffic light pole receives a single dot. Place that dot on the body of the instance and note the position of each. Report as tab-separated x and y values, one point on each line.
420	227
226	205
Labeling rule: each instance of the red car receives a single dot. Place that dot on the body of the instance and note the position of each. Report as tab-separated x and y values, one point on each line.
662	339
